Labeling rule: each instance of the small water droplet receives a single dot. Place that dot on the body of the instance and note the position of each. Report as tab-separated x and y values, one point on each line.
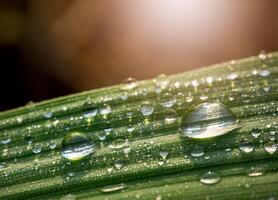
101	136
255	171
113	188
264	73
170	116
158	197
105	110
36	148
68	197
118	164
76	146
6	140
189	99
146	109
28	139
48	114
210	178
119	143
255	134
246	147
52	144
163	154
270	148
232	76
194	83
197	151
162	82
130	84
209	120
262	55
3	165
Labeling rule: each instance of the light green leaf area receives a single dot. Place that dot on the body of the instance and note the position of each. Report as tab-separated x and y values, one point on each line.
130	141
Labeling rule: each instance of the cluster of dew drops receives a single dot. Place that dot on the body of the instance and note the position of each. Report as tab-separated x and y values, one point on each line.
194	124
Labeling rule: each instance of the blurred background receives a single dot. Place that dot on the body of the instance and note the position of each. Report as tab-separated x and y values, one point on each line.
50	48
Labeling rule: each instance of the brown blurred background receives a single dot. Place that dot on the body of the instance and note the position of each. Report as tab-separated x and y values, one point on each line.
50	48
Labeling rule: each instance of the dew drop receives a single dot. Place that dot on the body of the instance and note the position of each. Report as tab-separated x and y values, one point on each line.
262	55
163	154
146	109
113	188
76	146
118	164
36	148
52	144
101	136
48	115
246	148
119	143
208	120
255	171
197	151
162	81
170	116
6	140
130	84
28	139
105	110
255	134
264	73
232	76
210	178
270	148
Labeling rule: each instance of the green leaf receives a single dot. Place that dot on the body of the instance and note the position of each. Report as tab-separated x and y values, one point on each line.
135	144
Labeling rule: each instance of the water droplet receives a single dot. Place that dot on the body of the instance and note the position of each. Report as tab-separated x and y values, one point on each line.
209	120
245	98
119	143
28	139
270	148
68	197
105	110
170	116
163	154
113	188
3	165
194	83
162	81
210	178
255	171
189	99
101	136
158	197
36	148
76	146
262	55
232	76
48	115
6	140
130	84
197	151
256	134
118	164
246	147
146	109
52	144
264	73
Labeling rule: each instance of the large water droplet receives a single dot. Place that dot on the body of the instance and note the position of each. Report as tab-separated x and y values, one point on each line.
76	146
270	148
210	178
146	109
208	120
113	188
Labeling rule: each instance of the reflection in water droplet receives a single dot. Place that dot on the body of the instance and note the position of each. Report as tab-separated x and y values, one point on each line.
255	171
197	151
210	178
76	146
113	188
209	120
146	109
